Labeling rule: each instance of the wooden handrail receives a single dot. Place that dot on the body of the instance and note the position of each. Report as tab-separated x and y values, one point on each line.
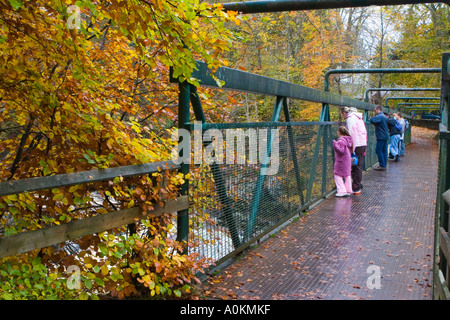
70	179
37	239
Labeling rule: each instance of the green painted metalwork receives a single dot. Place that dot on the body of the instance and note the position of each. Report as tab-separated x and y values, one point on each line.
366	93
417	106
322	133
378	70
183	123
247	125
386	101
260	199
325	116
287	117
262	176
421	108
296	5
244	203
217	174
440	263
252	83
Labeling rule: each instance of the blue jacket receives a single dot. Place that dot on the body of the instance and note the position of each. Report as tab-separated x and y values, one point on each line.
391	126
381	128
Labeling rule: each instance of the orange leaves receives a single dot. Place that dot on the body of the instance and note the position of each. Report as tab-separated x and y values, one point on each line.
99	97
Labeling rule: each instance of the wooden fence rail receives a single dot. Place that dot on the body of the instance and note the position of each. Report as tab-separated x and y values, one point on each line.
443	282
37	239
70	179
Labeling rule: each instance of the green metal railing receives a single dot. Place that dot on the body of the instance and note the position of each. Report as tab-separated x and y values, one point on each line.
366	93
420	108
386	101
291	5
243	203
442	241
417	106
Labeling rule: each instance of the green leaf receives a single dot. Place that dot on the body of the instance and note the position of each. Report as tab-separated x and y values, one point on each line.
83	296
88	284
89	160
99	281
16	4
103	249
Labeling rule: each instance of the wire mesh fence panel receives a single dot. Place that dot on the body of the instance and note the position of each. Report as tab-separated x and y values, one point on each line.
241	196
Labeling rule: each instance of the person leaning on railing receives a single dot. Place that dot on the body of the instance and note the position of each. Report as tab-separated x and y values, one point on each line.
382	135
357	129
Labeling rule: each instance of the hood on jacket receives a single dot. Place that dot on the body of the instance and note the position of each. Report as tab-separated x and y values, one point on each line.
358	114
347	141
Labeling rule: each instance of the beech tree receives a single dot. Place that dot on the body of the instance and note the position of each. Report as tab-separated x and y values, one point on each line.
84	85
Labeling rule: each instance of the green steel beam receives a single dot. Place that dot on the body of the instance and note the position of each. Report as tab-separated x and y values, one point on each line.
366	93
421	108
238	80
287	118
297	5
261	176
183	123
445	82
379	70
325	116
312	171
246	125
442	207
411	105
219	181
386	101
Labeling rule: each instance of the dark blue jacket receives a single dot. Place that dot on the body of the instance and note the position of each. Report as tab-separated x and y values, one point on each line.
391	126
381	129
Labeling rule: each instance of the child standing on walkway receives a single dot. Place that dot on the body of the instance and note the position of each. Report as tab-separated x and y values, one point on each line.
343	162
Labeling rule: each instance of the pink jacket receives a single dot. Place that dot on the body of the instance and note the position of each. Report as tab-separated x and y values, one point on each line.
342	157
357	129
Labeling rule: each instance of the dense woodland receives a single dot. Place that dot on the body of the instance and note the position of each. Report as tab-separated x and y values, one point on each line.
97	95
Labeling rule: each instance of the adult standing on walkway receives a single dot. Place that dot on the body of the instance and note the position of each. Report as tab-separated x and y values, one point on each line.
394	133
382	135
357	129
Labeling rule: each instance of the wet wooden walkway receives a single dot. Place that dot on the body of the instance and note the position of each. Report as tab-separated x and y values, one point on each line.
377	245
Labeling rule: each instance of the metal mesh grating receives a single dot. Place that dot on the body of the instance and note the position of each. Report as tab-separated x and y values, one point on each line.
238	211
228	193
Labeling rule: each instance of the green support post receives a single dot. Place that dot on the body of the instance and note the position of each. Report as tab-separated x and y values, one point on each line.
219	181
261	176
442	207
325	116
287	117
183	123
321	133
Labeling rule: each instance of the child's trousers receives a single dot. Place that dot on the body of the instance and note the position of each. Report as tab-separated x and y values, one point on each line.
343	187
